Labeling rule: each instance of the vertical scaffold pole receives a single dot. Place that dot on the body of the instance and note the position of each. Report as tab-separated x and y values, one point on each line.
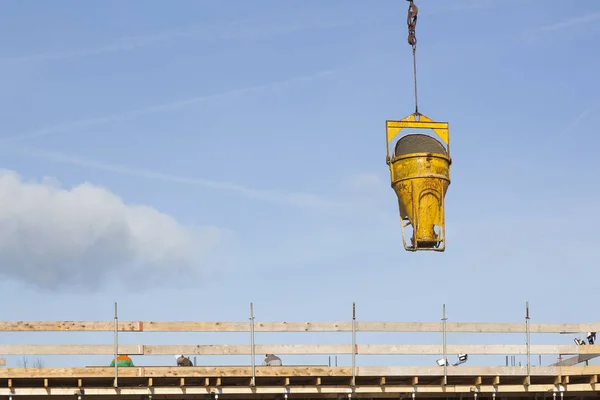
353	343
527	331
444	344
252	344
116	350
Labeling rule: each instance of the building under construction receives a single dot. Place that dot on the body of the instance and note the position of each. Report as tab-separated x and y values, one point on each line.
454	375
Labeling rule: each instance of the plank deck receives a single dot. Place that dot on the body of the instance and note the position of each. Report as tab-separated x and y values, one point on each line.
316	381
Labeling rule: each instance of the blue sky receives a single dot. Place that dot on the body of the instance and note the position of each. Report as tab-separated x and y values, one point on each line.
252	133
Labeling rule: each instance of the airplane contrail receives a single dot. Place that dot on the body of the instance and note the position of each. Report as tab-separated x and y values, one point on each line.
232	30
571	22
303	200
65	127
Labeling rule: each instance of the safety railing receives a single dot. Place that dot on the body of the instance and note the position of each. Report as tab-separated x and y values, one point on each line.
352	348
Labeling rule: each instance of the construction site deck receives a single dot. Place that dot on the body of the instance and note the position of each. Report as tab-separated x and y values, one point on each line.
568	377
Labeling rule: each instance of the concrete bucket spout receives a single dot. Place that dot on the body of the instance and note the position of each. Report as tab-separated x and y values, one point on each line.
420	176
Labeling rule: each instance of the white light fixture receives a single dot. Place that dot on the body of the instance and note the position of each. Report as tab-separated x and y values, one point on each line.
462	358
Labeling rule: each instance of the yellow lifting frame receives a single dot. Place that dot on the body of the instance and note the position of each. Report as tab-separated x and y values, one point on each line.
418	121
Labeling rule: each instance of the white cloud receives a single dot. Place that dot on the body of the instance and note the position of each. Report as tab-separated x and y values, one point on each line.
53	237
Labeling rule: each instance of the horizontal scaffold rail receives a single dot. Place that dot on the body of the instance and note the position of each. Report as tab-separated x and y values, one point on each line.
307	349
294	371
187	326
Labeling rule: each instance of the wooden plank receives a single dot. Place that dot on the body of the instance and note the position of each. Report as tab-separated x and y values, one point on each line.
247	349
66	326
363	349
390	391
293	371
577	370
367	326
588	349
158	372
314	392
462	370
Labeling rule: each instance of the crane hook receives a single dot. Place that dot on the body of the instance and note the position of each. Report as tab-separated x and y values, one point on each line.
411	21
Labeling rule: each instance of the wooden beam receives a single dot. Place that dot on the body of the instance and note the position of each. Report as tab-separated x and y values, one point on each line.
188	326
302	391
363	349
470	371
558	380
292	371
66	326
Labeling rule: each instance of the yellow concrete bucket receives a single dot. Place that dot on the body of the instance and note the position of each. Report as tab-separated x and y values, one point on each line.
420	175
